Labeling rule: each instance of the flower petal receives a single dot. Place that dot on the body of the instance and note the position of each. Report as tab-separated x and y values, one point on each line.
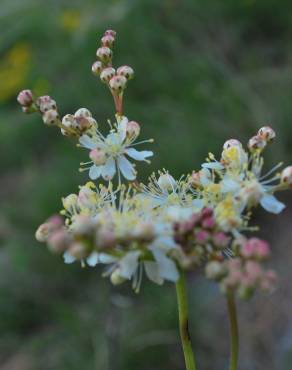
93	259
109	169
167	268
95	172
126	168
128	264
87	142
68	258
271	204
139	156
213	165
106	258
152	272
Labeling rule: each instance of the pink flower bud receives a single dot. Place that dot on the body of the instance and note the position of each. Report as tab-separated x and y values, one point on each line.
133	129
266	133
253	272
108	40
231	142
98	156
209	222
78	250
220	239
107	74
51	117
286	176
25	98
110	33
202	236
255	143
126	71
207	212
59	241
96	68
46	103
104	54
118	83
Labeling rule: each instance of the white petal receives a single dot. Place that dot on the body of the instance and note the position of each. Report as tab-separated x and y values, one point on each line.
167	268
87	142
95	172
126	168
152	272
106	258
139	156
93	259
109	169
213	165
128	264
271	204
68	258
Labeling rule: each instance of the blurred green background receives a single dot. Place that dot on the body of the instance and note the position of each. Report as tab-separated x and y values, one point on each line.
206	71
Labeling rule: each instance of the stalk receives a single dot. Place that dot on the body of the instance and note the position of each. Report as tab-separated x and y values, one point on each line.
234	339
182	303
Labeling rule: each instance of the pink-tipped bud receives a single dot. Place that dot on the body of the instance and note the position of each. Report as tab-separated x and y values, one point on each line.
96	68
46	103
104	54
78	250
209	222
110	33
98	156
51	117
118	83
133	129
108	40
107	74
220	239
82	112
43	232
256	143
256	248
59	241
286	176
230	143
25	98
202	236
267	133
126	71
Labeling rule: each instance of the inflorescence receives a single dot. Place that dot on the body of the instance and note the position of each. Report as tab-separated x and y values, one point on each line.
168	225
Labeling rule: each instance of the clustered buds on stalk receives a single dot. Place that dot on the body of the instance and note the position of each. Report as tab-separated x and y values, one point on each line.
264	136
243	273
200	238
116	80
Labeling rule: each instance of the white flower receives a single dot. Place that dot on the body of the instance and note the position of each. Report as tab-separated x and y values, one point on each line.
117	147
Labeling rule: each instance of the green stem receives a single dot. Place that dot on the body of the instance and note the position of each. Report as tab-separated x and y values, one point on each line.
184	323
234	340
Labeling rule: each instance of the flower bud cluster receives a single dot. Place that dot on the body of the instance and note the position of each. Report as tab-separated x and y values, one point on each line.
264	136
200	237
115	79
77	124
243	274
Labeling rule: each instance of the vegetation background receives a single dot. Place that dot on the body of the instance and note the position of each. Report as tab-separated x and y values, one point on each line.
206	71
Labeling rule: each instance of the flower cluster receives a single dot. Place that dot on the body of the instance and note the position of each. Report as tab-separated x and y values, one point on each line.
167	225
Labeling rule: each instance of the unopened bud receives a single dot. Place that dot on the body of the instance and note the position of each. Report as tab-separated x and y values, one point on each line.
25	98
82	112
118	83
43	232
231	142
133	129
51	117
126	71
116	278
59	241
96	68
267	133
110	33
108	40
215	270
104	54
46	103
107	74
98	156
286	176
78	250
255	143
